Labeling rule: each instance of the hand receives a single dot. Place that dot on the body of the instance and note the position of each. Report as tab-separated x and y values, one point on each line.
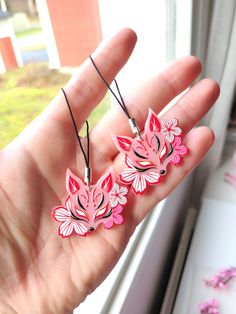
40	271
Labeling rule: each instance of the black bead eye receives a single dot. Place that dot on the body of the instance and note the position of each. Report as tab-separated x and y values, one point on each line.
162	172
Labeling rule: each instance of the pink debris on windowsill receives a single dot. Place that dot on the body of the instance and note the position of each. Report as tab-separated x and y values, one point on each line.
221	280
210	307
230	175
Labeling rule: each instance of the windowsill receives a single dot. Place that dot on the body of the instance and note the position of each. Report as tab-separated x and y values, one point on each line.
143	261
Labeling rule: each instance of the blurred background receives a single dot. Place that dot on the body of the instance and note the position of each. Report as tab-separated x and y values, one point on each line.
41	44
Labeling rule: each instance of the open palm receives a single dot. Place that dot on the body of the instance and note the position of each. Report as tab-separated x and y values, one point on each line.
39	271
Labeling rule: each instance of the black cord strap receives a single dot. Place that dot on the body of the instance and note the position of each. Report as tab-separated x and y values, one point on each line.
86	158
120	101
132	122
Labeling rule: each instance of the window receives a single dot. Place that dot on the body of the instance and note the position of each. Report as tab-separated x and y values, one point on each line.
164	32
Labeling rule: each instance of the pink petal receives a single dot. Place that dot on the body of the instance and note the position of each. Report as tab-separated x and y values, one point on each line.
108	224
118	209
181	150
175	159
118	219
177	141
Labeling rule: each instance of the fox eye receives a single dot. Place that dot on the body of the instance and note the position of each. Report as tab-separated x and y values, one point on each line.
158	142
102	213
101	202
81	216
79	202
138	155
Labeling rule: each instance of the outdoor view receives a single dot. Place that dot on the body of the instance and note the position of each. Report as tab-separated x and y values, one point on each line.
26	81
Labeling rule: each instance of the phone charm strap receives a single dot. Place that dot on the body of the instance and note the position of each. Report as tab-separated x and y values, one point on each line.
87	172
147	155
132	121
87	206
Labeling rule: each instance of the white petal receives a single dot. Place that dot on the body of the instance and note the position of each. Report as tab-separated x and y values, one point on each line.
116	187
152	177
128	175
122	200
114	201
66	228
170	137
61	214
176	131
80	228
123	190
68	204
174	122
139	184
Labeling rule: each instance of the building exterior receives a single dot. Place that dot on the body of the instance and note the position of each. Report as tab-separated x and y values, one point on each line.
9	54
72	30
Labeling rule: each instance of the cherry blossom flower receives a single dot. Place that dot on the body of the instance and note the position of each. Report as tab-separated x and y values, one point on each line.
170	129
138	179
210	307
220	280
68	224
116	217
179	151
117	195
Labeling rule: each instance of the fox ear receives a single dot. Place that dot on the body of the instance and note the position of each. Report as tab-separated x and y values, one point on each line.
123	143
152	124
106	182
73	183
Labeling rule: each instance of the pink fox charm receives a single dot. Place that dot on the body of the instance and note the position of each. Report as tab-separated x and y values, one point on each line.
147	158
87	207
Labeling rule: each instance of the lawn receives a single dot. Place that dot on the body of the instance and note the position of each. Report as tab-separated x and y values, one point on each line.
24	94
29	32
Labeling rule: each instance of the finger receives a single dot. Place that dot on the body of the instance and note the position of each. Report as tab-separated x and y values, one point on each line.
199	142
194	104
50	139
155	94
85	89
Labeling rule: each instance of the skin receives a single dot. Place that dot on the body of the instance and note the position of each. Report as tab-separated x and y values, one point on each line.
38	269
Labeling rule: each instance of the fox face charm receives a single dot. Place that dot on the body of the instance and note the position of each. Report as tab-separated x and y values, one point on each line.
147	158
87	207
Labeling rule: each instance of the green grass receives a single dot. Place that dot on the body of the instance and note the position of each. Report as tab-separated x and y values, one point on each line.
26	92
31	31
39	46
